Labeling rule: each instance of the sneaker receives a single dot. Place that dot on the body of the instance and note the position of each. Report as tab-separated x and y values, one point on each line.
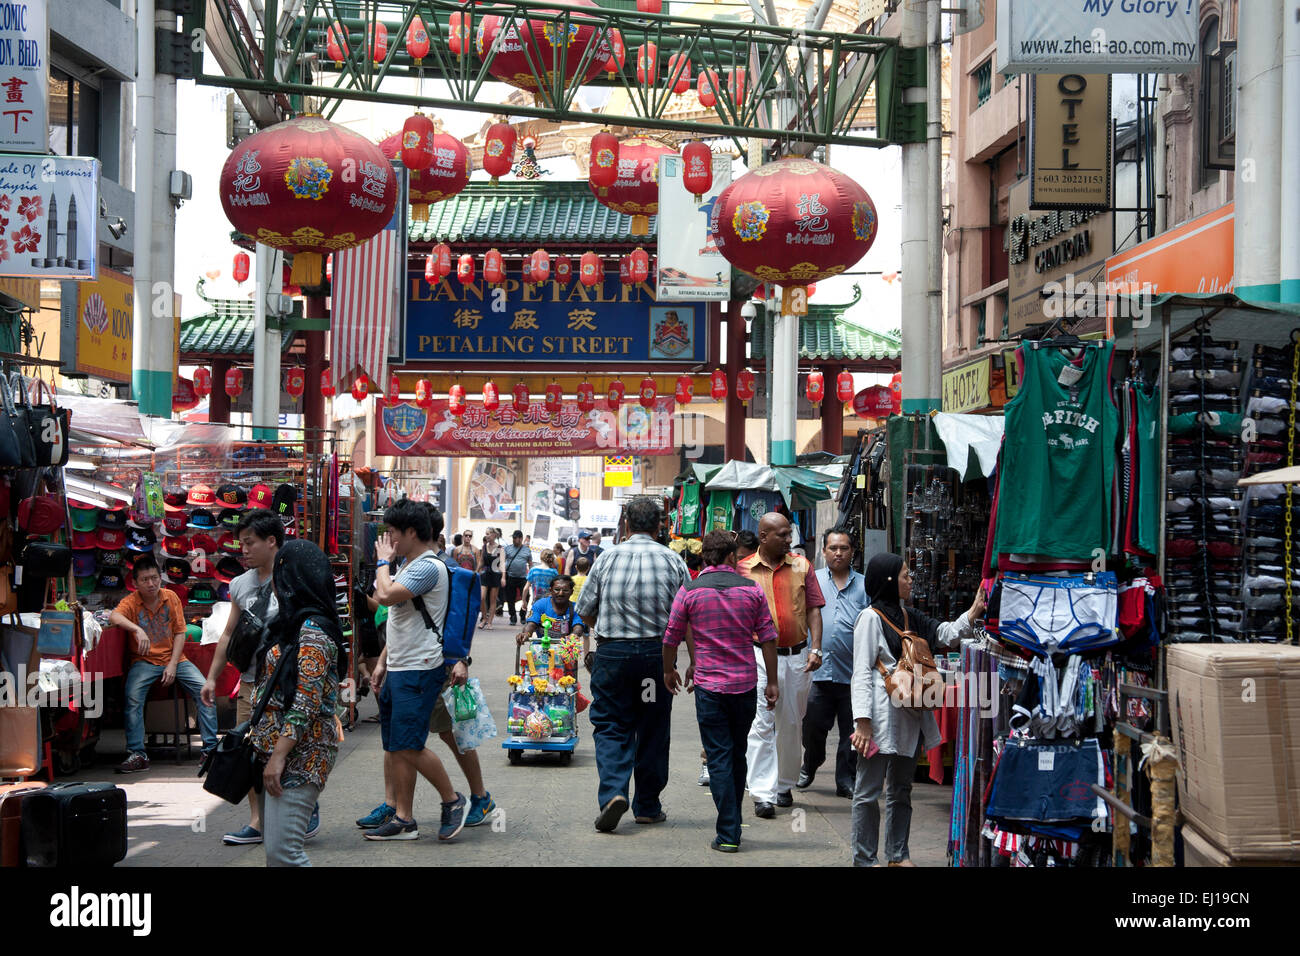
721	847
659	817
703	779
395	829
479	808
243	836
133	764
785	799
453	818
313	825
377	817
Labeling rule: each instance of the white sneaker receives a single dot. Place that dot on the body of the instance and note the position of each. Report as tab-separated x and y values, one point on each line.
703	779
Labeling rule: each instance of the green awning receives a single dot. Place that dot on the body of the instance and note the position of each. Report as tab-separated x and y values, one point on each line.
832	338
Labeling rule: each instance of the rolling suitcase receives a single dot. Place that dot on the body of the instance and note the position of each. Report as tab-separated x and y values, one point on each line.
74	824
11	818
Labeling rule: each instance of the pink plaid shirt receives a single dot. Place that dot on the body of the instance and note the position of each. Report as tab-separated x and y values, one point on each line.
725	623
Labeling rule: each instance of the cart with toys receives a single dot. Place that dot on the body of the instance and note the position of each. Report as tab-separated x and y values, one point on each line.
544	697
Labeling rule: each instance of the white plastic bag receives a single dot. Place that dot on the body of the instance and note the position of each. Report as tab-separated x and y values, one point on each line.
470	734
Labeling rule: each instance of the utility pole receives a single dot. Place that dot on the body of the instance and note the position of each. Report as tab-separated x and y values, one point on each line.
266	346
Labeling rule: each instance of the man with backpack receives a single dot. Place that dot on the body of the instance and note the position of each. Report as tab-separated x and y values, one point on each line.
518	559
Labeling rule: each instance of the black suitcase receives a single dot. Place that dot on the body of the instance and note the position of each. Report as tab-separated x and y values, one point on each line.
75	824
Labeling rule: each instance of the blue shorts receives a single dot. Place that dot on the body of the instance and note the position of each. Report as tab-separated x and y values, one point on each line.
405	705
1047	781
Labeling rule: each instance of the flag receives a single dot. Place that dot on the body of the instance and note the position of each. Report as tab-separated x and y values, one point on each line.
363	296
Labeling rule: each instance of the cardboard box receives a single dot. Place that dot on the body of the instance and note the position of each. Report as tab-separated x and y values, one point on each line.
1199	851
1235	716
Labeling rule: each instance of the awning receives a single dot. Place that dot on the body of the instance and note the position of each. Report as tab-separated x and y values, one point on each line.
962	434
1278	476
800	487
1233	318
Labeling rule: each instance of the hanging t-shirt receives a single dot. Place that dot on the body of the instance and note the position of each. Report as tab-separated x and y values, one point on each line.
688	508
721	505
753	505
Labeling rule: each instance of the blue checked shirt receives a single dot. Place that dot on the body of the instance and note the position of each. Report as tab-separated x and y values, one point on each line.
629	592
838	617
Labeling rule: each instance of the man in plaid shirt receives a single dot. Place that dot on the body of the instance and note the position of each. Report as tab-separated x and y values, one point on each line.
725	614
625	603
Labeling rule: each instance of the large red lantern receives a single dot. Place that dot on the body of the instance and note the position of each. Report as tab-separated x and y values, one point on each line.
439	262
793	221
647	392
650	6
718	385
234	382
424	393
541	263
491	396
326	384
614	394
603	167
460	28
417	141
636	191
417	40
530	47
295	382
613	51
499	149
697	169
336	42
707	87
456	399
744	386
685	390
589	270
554	397
816	386
202	382
494	269
465	269
360	388
647	64
586	397
240	268
639	263
563	269
308	187
377	35
520	402
444	177
844	386
679	72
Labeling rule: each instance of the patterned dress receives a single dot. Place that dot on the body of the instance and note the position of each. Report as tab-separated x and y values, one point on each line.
311	720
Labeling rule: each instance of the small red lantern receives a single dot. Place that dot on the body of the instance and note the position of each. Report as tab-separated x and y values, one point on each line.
563	270
326	384
491	396
685	390
707	87
697	169
424	393
417	40
234	382
603	167
554	397
465	269
586	397
241	266
647	392
844	386
896	392
815	389
649	6
440	262
499	150
361	388
494	269
460	28
679	72
615	52
744	385
202	382
718	385
589	269
295	383
456	399
394	390
636	191
377	35
737	82
614	396
639	264
520	397
647	63
417	142
541	264
625	270
336	42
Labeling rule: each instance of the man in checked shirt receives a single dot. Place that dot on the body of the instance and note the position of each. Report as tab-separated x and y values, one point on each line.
725	613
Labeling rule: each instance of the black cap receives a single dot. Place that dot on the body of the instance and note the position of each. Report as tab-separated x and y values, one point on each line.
232	496
112	519
283	500
110	581
177	569
228	568
140	539
229	518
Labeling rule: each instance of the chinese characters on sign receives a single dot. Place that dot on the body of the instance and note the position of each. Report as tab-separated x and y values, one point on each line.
24	77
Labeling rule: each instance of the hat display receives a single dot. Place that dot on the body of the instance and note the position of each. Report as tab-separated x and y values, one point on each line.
85	540
282	501
110	539
229	518
175	524
202	519
203	542
174	499
228	569
84	564
113	518
180	590
177	570
193	633
201	495
229	544
87	585
140	539
260	496
110	559
290	527
231	496
203	594
84	517
110	581
176	546
223	592
141	519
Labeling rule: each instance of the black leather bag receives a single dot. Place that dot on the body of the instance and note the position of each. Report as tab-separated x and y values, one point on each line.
234	767
16	447
48	425
45	559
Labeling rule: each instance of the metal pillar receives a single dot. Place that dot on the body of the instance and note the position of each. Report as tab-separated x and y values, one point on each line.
1258	183
313	402
734	411
266	348
784	362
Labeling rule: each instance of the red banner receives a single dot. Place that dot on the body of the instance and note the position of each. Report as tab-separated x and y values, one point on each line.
405	430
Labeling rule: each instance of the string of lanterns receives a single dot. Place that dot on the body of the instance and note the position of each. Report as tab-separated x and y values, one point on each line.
539	266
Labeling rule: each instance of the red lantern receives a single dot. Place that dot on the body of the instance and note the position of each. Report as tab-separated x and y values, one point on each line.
647	392
635	192
639	263
744	385
456	399
360	388
586	397
336	42
440	262
685	391
234	382
613	51
424	393
563	270
241	266
326	384
491	396
465	269
541	263
202	382
499	150
679	72
603	167
520	397
494	269
417	40
844	386
697	169
738	81
793	221
614	396
377	36
417	142
896	392
707	87
289	187
589	269
647	63
816	387
554	397
718	385
394	390
460	28
447	175
295	383
625	270
650	6
535	45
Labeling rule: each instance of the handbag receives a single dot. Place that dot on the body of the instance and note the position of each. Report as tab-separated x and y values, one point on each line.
915	681
16	448
48	424
233	766
55	637
46	559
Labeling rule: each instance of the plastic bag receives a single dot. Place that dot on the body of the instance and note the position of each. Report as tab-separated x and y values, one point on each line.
469	734
466	705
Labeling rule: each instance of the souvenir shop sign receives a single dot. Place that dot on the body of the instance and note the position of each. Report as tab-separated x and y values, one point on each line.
1069	142
406	430
966	387
24	76
1105	36
690	267
513	322
1195	257
49	207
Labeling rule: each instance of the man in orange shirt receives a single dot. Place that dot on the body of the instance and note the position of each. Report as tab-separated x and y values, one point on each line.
155	623
795	600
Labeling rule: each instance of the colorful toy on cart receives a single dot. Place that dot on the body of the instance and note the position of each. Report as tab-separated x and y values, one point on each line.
544	697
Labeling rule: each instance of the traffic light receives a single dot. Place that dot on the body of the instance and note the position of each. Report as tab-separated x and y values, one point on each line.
573	504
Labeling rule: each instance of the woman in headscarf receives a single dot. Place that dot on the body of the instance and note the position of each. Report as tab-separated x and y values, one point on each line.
888	738
299	733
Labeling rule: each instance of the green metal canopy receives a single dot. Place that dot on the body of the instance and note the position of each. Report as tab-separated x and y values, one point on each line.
225	331
825	335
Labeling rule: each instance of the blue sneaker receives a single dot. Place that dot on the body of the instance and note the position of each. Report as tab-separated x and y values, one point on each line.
453	818
479	808
243	836
313	825
377	817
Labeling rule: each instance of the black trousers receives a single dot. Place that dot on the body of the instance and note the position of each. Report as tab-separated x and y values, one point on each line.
829	703
512	593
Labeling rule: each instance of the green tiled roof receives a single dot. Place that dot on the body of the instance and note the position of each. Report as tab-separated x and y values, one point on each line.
540	213
825	335
227	329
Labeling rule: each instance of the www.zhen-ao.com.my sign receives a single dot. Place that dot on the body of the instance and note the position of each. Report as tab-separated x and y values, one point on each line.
548	322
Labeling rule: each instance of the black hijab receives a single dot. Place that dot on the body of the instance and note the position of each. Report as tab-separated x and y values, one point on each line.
882	588
304	589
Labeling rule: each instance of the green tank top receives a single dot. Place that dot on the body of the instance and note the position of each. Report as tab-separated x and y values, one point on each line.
1148	462
1058	457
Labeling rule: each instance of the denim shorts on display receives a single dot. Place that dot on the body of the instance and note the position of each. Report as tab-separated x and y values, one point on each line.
1047	781
405	706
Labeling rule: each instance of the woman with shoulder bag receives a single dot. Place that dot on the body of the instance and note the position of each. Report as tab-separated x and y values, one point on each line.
890	732
489	570
299	732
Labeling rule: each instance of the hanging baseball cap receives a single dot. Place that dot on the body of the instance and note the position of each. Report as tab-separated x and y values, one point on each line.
110	539
203	594
140	539
229	518
110	581
205	543
260	496
290	527
113	518
180	590
87	585
110	559
228	569
283	500
231	496
229	544
201	519
83	564
223	592
174	498
175	524
176	546
202	496
177	570
84	517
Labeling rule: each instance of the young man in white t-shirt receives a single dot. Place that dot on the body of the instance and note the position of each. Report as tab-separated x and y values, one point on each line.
411	672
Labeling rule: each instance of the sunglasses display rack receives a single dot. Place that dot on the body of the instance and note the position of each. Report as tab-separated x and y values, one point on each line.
945	525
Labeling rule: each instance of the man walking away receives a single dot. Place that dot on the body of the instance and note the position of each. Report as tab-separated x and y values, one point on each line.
518	559
830	701
625	603
725	613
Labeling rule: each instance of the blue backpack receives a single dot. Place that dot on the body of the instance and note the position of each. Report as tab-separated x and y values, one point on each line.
463	605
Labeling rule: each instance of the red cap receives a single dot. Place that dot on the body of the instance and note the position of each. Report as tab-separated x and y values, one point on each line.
201	495
259	496
85	540
177	546
110	539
